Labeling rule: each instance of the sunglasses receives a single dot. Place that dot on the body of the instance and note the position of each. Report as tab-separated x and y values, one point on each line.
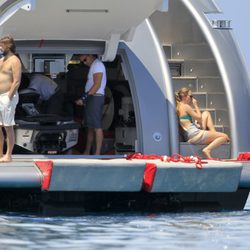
85	58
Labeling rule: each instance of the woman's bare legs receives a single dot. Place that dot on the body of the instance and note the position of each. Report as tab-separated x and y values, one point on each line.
207	121
214	140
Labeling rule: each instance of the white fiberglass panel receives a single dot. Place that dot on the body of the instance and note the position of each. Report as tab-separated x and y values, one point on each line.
77	19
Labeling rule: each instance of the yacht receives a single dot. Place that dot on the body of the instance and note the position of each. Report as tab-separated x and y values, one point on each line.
150	48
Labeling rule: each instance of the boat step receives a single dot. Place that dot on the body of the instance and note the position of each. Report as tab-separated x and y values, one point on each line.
210	84
19	174
93	175
184	177
191	51
222	152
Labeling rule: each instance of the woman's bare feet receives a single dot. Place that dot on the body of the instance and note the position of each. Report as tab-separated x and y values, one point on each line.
207	153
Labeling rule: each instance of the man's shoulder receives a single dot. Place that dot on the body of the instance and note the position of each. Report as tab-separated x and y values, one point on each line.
14	60
98	64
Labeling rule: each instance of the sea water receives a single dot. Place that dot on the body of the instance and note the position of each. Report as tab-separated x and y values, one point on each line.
222	230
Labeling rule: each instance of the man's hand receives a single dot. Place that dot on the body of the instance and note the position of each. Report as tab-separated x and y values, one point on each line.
79	102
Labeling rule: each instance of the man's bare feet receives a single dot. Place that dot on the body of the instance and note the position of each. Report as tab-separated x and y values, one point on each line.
207	153
5	159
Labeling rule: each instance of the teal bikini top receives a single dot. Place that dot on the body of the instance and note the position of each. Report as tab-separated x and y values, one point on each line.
186	117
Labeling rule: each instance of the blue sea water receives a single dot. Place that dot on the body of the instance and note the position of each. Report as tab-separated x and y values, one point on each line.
223	230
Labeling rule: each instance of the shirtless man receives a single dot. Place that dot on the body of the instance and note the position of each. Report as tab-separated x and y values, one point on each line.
10	77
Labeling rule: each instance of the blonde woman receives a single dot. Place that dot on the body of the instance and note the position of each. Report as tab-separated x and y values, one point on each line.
198	127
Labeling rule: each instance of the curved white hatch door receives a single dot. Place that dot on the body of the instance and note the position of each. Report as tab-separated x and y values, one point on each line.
107	20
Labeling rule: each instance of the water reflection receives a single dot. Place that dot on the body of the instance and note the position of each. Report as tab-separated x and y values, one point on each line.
225	230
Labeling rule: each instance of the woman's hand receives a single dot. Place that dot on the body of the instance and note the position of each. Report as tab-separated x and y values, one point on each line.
194	101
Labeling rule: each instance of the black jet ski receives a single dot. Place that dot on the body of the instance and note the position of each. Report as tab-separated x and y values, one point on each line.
42	133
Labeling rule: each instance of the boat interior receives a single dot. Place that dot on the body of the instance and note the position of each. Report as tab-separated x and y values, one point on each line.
118	115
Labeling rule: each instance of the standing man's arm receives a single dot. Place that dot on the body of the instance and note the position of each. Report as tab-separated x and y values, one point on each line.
16	71
97	78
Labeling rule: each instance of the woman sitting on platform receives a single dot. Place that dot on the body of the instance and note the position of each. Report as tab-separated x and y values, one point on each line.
198	127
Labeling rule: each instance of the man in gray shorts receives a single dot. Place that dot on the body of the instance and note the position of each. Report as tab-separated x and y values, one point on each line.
10	77
94	91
